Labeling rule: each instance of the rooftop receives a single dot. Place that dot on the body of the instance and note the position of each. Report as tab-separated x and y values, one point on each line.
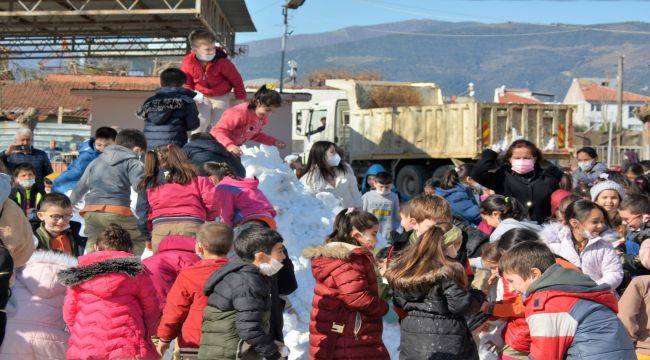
106	82
595	92
44	96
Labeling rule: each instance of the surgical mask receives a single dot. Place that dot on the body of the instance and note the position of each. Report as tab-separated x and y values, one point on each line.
205	57
384	192
334	160
588	235
270	269
584	165
522	166
27	183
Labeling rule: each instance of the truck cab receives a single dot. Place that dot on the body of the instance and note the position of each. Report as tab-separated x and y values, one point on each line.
325	120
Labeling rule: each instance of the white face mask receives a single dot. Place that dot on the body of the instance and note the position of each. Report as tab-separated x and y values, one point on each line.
585	165
384	192
270	269
205	57
27	183
334	160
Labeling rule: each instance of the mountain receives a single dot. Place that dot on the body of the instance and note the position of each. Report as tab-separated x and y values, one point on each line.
538	57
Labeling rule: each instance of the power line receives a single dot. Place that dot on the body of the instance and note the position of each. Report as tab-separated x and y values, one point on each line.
475	35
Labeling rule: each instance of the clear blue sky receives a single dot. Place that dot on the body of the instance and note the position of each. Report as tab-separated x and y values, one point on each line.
326	15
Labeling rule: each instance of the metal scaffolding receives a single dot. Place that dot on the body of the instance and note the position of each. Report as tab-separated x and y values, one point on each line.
40	29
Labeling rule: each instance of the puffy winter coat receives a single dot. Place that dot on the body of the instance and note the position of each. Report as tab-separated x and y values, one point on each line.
435	327
239	200
111	308
462	202
68	179
346	314
196	200
216	79
533	190
237	315
35	326
19	239
183	313
239	124
175	252
598	259
509	224
590	176
200	151
37	158
168	116
345	187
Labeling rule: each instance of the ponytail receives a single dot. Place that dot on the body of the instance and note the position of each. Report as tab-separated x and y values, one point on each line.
173	160
346	221
265	96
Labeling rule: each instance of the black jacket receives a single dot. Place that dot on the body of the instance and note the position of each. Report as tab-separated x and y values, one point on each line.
168	116
241	287
201	151
532	190
6	270
19	196
283	283
435	327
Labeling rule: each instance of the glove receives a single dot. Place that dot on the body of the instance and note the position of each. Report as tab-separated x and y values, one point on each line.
199	97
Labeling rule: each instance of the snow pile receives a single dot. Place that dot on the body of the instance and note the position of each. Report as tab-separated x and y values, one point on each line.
303	220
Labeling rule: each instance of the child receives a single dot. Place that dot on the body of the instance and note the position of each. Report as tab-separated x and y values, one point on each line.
108	181
203	148
581	242
633	170
384	204
25	192
569	316
589	168
239	200
212	76
434	293
170	113
347	309
178	201
504	213
237	318
183	312
35	327
110	308
175	252
430	187
634	314
55	231
635	214
368	181
462	200
556	198
88	151
607	194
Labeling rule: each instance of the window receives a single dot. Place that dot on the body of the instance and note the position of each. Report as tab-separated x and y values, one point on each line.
630	111
596	107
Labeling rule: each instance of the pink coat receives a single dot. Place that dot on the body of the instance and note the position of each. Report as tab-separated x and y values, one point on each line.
194	199
175	252
111	308
35	326
240	200
238	124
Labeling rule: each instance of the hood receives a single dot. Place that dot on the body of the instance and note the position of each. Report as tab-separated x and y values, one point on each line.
88	146
336	250
556	197
177	243
115	154
566	282
5	186
550	232
231	267
445	192
202	146
101	263
373	170
509	224
39	275
248	183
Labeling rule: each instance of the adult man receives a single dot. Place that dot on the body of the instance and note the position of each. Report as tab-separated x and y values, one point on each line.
53	151
21	151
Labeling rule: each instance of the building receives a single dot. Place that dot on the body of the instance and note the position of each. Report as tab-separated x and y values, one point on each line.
504	95
596	102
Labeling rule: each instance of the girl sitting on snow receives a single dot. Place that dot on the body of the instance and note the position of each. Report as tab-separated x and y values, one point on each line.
239	200
347	310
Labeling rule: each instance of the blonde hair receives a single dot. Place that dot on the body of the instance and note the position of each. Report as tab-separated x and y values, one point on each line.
430	207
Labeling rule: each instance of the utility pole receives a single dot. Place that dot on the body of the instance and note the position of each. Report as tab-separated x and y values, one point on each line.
285	14
619	102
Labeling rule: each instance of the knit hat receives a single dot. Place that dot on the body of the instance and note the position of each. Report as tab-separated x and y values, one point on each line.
606	185
556	198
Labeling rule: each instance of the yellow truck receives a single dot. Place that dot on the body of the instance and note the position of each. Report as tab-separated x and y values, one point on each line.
411	131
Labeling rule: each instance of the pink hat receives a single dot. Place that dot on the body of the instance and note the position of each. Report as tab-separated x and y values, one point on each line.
556	197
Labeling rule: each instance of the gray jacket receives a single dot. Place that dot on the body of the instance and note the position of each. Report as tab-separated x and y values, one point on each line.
109	178
590	176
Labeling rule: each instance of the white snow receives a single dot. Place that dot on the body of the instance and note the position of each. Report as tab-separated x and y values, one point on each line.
303	220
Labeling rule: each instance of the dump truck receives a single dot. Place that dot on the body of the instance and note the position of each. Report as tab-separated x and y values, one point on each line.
412	132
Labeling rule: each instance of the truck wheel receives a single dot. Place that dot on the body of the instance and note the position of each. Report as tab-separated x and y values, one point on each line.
411	179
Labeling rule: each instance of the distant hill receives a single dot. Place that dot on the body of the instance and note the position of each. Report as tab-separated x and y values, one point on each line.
543	62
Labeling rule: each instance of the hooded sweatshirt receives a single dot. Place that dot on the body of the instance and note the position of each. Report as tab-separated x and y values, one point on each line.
571	317
109	178
509	224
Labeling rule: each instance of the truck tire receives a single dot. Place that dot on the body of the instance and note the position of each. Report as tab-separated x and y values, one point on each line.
410	180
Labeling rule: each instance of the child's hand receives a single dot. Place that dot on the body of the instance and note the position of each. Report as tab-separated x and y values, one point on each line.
235	150
162	347
280	144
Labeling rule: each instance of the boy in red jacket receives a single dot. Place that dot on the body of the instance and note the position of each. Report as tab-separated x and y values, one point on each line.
212	76
183	313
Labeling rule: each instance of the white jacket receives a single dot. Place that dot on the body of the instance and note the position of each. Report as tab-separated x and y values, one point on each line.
345	189
598	259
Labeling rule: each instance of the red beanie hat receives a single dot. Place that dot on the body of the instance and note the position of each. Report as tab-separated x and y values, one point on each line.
556	197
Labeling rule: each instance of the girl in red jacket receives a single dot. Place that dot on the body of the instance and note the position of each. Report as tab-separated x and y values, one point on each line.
246	121
347	310
110	306
177	200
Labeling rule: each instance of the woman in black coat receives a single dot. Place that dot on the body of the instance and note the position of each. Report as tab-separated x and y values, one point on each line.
203	148
522	177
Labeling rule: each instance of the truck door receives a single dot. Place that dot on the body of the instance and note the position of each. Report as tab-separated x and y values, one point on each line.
342	123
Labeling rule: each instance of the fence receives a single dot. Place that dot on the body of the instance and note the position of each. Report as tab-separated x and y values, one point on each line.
64	134
618	154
